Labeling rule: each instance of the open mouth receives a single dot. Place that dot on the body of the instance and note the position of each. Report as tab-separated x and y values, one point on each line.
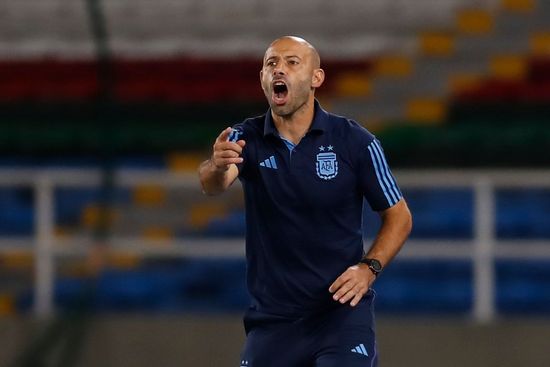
280	92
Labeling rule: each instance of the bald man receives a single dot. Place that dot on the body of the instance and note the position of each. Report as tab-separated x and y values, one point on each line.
305	174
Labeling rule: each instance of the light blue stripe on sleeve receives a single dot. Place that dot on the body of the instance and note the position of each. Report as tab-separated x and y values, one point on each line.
377	171
391	179
383	175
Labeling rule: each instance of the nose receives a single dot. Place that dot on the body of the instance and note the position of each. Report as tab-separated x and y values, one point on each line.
278	70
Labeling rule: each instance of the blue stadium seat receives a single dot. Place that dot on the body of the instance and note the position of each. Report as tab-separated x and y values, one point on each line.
421	287
523	214
523	287
16	211
232	225
441	213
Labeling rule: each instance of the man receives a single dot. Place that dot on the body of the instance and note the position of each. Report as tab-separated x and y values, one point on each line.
305	173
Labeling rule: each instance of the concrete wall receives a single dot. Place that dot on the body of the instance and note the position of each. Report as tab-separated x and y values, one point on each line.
215	341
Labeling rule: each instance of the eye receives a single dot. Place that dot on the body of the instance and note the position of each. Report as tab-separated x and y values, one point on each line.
271	63
293	62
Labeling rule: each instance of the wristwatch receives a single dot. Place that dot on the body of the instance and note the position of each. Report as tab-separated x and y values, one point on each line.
374	265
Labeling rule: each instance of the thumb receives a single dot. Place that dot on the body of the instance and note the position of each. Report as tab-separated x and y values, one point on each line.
224	135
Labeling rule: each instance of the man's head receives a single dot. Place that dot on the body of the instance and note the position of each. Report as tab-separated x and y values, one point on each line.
290	74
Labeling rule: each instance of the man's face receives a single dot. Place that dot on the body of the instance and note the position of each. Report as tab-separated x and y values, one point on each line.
289	75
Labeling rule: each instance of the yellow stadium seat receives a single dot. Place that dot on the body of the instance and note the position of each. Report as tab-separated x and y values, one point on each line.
122	260
201	214
149	195
7	305
182	162
393	66
426	110
475	21
91	216
20	259
74	268
437	43
158	233
463	81
540	43
520	6
353	85
511	67
62	231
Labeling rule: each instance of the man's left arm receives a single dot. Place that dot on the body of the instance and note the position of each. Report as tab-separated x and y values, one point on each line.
354	283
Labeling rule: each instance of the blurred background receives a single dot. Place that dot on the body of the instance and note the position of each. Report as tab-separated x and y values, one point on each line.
111	256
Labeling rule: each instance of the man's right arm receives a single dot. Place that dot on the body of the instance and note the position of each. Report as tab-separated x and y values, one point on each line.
220	171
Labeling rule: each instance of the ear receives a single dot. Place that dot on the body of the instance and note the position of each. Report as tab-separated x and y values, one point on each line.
262	79
318	78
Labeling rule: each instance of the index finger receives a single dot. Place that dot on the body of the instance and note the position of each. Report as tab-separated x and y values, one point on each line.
224	135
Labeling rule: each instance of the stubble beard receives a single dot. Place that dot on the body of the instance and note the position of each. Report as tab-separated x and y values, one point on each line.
283	111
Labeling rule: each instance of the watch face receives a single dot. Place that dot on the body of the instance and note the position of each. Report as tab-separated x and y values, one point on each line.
375	265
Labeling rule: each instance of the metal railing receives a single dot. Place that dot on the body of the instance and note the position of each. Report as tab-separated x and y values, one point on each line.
482	250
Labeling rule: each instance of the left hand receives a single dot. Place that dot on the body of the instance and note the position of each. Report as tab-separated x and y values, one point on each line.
353	284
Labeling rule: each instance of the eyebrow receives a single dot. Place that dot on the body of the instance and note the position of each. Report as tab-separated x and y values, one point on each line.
284	57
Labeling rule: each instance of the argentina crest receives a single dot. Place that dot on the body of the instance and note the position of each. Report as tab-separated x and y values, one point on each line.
326	165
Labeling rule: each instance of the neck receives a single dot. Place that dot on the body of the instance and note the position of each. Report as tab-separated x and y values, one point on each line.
293	127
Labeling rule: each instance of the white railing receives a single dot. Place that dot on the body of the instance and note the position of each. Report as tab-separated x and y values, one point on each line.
482	250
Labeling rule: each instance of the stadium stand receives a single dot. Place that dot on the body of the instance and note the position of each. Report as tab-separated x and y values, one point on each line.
460	83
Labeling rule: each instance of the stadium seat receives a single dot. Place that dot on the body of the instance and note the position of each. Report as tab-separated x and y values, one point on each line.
16	212
353	85
21	259
155	233
518	6
463	82
393	66
202	213
437	44
508	67
90	217
184	162
474	22
149	195
540	43
426	110
7	305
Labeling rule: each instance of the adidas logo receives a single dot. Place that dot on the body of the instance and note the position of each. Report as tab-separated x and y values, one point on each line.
360	349
269	163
